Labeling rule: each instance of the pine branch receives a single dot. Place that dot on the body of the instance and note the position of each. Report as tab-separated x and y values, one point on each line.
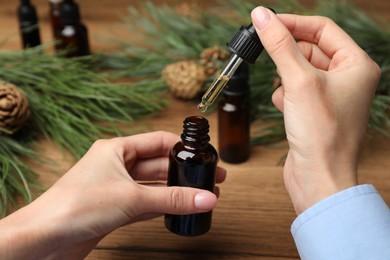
71	105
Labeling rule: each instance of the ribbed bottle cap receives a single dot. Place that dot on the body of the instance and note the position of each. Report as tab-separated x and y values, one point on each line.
246	44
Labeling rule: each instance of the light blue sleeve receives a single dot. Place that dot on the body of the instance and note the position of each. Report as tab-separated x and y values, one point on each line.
351	224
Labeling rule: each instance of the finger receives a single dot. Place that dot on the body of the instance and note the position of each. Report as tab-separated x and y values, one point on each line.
159	184
155	169
217	191
278	97
314	55
152	215
148	145
220	175
150	169
278	42
176	200
318	30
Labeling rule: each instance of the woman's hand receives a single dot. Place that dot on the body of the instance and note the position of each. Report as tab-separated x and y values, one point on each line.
98	195
328	83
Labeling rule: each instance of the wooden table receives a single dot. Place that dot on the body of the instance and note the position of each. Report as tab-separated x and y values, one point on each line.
254	212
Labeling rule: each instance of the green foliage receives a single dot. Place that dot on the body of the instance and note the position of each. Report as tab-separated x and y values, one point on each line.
16	177
166	37
71	105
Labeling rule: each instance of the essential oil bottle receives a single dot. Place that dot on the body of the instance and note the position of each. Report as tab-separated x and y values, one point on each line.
73	34
28	22
55	17
234	118
192	163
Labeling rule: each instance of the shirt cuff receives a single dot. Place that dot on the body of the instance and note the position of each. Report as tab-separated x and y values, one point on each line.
351	224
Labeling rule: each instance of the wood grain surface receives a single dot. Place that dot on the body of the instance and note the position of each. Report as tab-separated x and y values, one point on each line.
254	213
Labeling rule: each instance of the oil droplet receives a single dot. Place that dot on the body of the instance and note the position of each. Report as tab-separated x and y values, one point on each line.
202	107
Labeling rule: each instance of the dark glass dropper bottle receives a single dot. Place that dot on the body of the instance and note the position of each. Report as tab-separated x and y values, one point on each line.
234	118
192	163
55	17
73	34
28	22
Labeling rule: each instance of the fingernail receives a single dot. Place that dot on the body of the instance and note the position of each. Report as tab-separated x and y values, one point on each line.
205	200
260	17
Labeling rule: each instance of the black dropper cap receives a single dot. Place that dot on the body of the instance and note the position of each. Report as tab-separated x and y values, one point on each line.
246	43
238	83
70	13
27	12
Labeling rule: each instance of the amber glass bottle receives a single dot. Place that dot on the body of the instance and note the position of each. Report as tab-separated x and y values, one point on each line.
55	17
192	163
234	118
28	22
73	34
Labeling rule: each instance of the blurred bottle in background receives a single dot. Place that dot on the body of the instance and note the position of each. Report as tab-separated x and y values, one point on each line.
28	24
234	118
73	34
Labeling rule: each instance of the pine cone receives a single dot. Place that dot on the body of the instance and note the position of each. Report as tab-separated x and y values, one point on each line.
14	109
184	78
211	59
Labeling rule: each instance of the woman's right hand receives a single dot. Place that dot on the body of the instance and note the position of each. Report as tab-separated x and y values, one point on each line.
328	83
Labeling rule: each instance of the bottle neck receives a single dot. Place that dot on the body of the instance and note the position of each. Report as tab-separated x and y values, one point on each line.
238	84
70	13
27	13
195	132
25	2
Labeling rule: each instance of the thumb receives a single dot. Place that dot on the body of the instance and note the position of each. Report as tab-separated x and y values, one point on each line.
278	42
177	200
